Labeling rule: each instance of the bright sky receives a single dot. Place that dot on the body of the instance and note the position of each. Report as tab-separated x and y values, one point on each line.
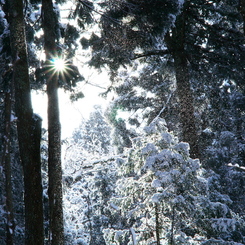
71	113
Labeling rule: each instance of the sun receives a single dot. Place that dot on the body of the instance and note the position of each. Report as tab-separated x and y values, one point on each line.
59	64
61	67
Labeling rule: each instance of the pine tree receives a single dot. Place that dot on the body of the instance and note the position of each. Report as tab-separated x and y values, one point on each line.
28	126
6	139
93	135
154	19
6	157
54	128
202	36
7	160
89	183
163	196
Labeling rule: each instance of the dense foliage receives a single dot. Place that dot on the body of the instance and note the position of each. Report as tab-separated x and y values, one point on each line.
164	164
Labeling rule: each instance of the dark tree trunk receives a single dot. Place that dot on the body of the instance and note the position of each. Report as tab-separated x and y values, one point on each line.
171	239
239	112
28	127
6	159
176	45
158	228
187	118
242	11
54	129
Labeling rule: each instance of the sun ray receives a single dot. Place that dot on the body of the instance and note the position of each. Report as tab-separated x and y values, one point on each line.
59	64
63	68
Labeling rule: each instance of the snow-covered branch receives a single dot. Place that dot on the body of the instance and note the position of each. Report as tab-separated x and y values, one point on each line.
150	53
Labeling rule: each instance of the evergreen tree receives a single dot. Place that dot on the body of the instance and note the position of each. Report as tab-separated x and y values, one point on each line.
86	194
93	135
6	162
202	36
6	138
89	183
121	136
12	206
187	62
37	78
54	129
28	126
89	180
163	196
241	8
56	78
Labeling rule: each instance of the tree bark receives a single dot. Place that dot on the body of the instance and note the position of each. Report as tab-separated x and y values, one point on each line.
176	44
6	158
239	127
54	128
158	228
171	240
242	11
28	127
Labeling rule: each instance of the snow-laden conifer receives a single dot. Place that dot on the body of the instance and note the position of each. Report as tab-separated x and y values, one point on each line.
165	197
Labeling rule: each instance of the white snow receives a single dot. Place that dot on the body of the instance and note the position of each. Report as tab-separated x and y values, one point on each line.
149	149
118	234
13	118
157	197
133	236
114	206
156	183
182	147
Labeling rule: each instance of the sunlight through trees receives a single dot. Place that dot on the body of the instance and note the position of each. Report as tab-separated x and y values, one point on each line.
157	155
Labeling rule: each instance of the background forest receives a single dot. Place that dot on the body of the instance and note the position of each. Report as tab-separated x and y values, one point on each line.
164	163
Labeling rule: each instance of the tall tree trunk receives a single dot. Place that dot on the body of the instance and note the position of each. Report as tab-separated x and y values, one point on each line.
238	112
28	127
158	228
241	8
6	159
171	239
176	45
54	128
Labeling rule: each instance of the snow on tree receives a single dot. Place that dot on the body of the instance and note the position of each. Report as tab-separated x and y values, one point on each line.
85	198
94	134
89	176
163	196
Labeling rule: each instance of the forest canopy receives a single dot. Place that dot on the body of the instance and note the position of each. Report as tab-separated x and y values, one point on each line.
164	162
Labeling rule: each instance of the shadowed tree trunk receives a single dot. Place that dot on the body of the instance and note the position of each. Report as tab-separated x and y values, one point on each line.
28	127
242	11
176	45
239	120
6	158
158	228
54	128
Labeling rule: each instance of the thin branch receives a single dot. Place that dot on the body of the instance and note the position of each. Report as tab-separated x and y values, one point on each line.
236	166
99	12
133	235
95	85
150	53
164	107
